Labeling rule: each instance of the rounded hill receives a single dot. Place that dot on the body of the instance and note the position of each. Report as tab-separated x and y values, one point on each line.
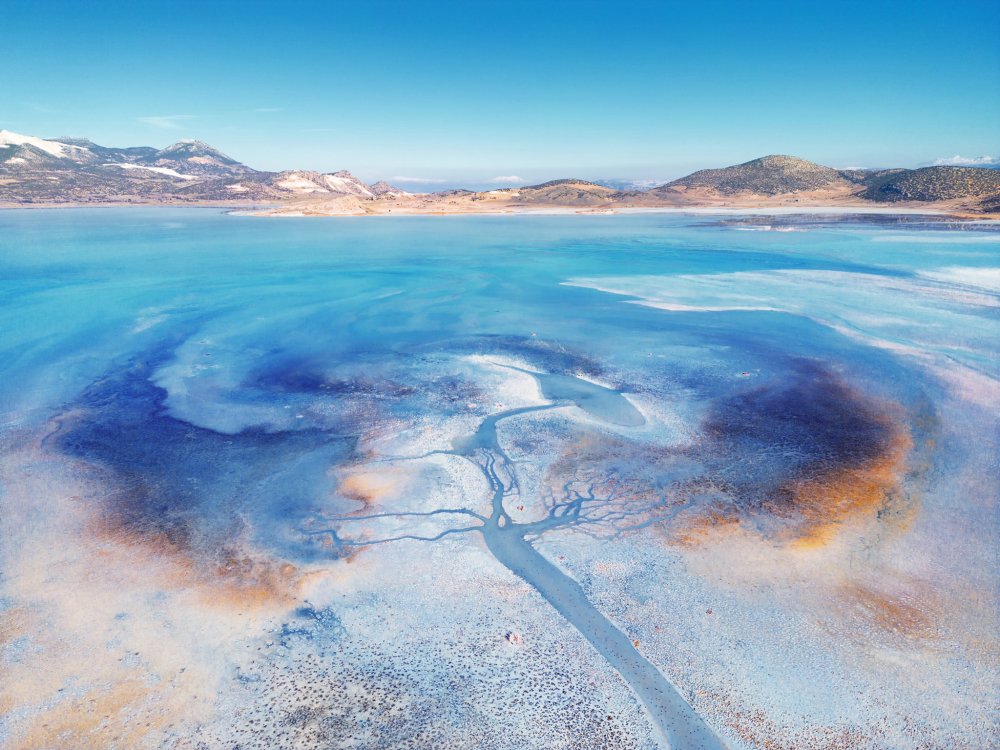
768	175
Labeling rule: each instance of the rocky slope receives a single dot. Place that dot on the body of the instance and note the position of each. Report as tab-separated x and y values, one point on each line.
789	180
769	175
568	192
932	184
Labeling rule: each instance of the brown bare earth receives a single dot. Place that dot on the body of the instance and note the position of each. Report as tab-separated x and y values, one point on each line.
597	200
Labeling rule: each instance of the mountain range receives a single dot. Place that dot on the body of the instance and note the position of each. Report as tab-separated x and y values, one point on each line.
72	170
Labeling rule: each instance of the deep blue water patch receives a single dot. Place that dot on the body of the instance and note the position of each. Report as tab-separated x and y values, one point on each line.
193	486
800	426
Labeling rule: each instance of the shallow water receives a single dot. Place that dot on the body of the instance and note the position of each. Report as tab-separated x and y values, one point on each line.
555	480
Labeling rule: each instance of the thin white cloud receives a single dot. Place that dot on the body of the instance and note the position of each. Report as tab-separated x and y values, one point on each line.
166	122
964	161
417	180
269	109
507	178
317	130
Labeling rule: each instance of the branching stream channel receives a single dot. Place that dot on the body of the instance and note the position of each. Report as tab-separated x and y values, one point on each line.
679	726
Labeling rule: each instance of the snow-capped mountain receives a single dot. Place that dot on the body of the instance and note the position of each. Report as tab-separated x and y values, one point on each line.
15	141
184	160
197	157
34	169
28	150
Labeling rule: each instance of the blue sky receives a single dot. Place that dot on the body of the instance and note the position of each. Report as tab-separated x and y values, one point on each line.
471	91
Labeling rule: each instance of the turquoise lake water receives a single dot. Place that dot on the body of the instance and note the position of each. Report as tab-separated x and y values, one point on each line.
501	481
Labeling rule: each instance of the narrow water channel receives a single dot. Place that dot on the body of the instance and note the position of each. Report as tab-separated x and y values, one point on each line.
680	726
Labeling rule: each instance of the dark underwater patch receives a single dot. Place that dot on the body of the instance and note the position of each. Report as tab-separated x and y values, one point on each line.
313	377
174	481
810	449
811	418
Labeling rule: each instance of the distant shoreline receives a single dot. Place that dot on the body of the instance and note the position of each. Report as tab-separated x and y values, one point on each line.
151	204
290	212
284	210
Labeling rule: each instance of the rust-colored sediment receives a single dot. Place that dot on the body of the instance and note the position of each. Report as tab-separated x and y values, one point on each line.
119	714
228	578
912	612
695	525
755	728
811	508
366	488
861	447
115	634
826	502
